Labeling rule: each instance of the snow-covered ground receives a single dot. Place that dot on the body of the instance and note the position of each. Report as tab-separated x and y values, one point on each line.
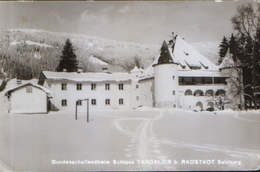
31	142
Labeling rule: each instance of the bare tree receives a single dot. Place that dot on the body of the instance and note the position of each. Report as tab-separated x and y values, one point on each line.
247	20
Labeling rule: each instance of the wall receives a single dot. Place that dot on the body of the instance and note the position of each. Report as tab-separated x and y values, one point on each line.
100	94
189	102
165	84
146	92
22	102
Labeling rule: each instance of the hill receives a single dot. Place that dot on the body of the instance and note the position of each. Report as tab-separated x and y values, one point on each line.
26	52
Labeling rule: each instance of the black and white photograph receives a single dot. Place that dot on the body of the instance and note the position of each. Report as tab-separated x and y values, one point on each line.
129	85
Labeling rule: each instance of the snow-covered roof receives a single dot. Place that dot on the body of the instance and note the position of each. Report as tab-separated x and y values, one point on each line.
29	42
10	90
227	62
137	70
88	77
96	60
188	58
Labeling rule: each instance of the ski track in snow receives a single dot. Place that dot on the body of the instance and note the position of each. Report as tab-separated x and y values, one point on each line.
143	143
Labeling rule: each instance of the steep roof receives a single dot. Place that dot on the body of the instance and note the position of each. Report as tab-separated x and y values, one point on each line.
87	77
165	55
227	62
10	90
188	56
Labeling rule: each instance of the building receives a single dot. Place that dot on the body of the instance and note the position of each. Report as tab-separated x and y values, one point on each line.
28	98
103	90
179	78
183	78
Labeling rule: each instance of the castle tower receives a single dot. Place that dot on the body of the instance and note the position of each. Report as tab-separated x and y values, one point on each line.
165	79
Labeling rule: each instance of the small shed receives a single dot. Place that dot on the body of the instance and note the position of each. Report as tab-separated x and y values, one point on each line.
28	98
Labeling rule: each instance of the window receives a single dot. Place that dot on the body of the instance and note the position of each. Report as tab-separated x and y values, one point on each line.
93	101
79	102
209	93
107	101
220	93
173	77
121	101
188	93
137	98
173	92
29	89
198	93
107	86
93	86
220	80
63	102
121	86
201	80
79	86
63	86
137	86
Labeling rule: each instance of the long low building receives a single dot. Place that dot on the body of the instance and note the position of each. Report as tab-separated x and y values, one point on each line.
102	90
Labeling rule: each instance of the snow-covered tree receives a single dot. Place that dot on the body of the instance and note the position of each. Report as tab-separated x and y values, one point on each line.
224	45
244	48
68	59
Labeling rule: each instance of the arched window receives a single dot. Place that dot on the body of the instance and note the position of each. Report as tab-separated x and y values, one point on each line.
220	93
198	93
199	105
210	105
188	93
209	93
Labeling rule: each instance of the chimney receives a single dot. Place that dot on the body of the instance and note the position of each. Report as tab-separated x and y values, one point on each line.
105	69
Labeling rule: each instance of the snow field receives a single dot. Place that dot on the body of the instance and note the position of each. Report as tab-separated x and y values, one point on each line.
31	142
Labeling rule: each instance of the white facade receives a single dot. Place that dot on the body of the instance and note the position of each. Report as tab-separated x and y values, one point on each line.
171	80
166	85
107	91
28	98
146	92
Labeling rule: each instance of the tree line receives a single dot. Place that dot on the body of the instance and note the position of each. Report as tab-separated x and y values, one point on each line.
243	46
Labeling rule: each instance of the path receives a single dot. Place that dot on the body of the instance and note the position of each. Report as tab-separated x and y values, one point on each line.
144	145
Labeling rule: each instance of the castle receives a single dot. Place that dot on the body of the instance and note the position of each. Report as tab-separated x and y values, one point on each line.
179	78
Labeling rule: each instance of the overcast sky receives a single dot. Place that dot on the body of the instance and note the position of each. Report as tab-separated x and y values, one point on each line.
143	22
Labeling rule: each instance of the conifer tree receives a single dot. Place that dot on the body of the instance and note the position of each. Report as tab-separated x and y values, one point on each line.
233	46
223	49
68	59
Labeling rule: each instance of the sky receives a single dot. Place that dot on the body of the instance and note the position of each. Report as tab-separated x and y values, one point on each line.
141	22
